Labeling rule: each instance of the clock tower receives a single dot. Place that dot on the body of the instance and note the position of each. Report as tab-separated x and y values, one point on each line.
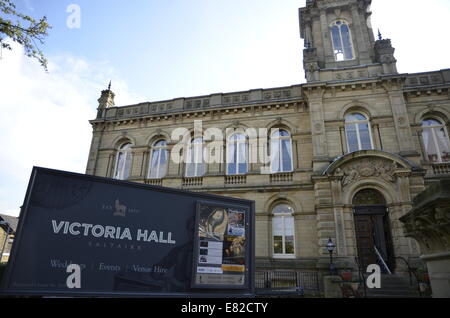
338	36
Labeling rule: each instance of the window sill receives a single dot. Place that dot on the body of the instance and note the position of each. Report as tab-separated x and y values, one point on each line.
280	257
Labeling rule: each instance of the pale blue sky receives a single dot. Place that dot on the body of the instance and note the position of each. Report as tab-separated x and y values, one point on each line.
163	49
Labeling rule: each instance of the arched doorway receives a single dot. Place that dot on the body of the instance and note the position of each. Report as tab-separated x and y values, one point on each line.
373	230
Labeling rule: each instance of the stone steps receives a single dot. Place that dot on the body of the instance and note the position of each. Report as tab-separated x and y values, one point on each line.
393	286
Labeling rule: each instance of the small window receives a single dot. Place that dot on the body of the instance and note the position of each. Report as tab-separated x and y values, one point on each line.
158	160
283	231
359	135
436	141
281	151
342	41
195	165
123	162
237	155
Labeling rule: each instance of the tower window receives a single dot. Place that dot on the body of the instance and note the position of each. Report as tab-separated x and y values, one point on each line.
342	41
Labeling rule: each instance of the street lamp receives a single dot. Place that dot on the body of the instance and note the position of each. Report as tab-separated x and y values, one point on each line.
6	237
330	248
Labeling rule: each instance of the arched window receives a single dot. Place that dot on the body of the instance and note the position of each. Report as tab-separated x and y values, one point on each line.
281	151
195	165
158	160
283	231
342	41
436	141
357	129
123	162
237	154
368	197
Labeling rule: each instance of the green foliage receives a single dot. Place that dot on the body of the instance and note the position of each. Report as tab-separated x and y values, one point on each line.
22	29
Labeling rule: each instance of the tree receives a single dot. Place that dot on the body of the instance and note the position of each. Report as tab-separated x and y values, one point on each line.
24	30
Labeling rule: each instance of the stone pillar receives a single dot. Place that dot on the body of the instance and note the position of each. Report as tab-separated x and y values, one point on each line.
314	95
401	118
429	223
331	285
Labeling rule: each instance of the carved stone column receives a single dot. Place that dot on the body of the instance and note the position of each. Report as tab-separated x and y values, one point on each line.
429	223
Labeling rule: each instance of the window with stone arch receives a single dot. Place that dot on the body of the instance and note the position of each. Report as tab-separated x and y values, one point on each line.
237	154
342	41
195	163
436	140
281	159
358	132
159	159
124	159
283	231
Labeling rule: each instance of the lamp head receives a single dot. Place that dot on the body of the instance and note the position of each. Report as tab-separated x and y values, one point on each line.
330	246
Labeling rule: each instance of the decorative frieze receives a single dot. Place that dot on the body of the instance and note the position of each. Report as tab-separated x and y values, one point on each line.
373	167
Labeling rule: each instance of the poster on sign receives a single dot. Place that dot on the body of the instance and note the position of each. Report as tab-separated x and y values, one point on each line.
221	248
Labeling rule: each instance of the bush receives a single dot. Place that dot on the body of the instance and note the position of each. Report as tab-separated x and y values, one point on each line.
2	270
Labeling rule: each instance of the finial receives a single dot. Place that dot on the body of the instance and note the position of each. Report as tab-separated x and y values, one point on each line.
109	86
380	37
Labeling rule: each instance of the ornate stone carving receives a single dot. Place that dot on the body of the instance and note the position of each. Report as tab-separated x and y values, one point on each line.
379	168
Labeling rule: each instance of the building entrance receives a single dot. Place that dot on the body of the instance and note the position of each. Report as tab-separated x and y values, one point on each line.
372	228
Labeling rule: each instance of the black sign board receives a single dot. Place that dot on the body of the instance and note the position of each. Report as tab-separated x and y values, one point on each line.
82	235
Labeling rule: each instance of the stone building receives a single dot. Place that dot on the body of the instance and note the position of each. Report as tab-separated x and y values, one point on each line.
350	148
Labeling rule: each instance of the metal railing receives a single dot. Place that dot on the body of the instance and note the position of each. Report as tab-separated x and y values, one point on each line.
362	279
286	282
381	259
412	272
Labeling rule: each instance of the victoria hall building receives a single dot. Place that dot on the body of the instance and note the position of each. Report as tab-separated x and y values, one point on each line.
349	149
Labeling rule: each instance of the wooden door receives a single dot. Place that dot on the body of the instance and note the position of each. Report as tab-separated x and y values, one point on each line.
364	239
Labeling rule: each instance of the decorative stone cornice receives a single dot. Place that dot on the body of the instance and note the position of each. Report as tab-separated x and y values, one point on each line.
429	221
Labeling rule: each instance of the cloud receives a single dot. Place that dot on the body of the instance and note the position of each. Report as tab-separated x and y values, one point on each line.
45	116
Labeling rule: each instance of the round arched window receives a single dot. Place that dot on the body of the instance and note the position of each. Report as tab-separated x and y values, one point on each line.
436	141
195	164
283	231
159	160
342	41
281	151
357	130
123	162
368	197
237	154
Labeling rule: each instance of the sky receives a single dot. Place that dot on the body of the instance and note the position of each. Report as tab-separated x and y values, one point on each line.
163	49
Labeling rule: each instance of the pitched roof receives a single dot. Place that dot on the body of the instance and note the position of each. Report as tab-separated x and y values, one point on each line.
12	221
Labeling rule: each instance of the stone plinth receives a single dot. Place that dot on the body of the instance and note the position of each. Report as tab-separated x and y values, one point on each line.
429	224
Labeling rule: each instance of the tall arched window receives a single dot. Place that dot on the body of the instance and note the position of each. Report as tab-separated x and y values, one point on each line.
123	162
237	154
357	129
342	41
158	160
283	231
281	151
436	141
195	165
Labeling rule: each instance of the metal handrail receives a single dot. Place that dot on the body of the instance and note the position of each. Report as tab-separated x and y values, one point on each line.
361	276
382	260
413	271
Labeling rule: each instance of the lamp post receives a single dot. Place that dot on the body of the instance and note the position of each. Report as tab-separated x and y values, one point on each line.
330	248
6	237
